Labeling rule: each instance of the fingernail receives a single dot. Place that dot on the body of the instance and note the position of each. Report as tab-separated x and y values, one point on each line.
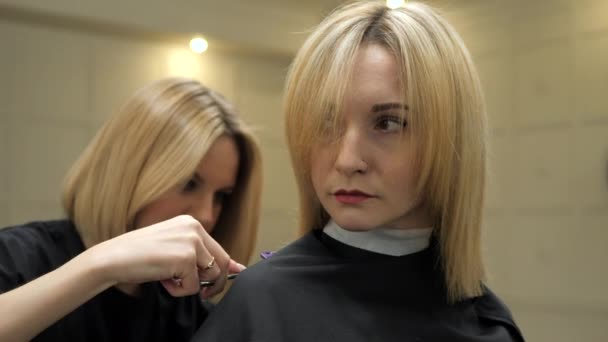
241	267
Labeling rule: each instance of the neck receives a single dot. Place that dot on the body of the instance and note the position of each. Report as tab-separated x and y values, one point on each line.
382	240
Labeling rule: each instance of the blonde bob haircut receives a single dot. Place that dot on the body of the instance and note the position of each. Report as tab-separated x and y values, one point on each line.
153	144
446	118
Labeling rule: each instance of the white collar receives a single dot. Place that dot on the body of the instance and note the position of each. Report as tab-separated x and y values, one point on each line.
395	242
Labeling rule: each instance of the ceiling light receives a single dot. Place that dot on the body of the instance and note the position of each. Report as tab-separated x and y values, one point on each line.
199	44
395	3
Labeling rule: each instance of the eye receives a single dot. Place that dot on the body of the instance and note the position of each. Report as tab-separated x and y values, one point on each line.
190	186
390	123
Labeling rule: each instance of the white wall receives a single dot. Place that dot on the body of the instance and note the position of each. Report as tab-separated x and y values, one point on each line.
59	85
544	65
263	25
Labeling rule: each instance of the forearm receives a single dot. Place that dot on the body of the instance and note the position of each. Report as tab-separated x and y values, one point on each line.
28	310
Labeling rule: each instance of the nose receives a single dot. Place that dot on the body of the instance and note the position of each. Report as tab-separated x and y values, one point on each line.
350	155
202	211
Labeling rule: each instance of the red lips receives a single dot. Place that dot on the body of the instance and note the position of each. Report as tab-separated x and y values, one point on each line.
351	196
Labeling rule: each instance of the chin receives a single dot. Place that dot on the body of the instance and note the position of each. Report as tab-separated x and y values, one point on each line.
357	228
354	224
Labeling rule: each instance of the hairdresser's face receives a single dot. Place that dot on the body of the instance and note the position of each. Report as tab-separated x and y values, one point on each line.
202	196
365	176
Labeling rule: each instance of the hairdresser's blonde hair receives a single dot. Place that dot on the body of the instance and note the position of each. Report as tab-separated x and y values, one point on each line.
446	118
151	145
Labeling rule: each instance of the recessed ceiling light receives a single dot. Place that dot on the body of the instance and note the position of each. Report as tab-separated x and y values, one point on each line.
395	3
199	44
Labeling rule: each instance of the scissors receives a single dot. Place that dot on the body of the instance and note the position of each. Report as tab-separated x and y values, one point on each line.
263	255
212	282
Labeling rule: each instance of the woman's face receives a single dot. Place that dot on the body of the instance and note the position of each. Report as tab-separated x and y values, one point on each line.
365	177
202	196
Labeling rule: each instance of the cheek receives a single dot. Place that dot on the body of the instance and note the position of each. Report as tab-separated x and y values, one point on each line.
401	178
145	217
322	159
217	211
319	168
162	209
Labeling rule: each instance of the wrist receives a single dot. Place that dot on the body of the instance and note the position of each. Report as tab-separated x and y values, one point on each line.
98	266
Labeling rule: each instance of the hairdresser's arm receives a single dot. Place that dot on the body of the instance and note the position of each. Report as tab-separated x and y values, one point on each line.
179	247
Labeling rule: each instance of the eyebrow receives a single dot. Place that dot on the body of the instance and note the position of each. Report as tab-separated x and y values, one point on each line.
386	106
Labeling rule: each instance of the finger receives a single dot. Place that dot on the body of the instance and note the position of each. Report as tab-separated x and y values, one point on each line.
179	287
186	284
206	262
172	287
235	267
211	271
218	278
208	250
191	282
217	287
204	254
212	274
222	261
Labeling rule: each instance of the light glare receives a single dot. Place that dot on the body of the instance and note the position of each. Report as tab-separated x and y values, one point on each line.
395	3
199	45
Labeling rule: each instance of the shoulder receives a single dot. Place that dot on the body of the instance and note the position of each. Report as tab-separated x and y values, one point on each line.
493	310
256	293
303	253
32	249
260	283
40	233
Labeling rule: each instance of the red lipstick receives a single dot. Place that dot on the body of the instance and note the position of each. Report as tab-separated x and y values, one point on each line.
351	196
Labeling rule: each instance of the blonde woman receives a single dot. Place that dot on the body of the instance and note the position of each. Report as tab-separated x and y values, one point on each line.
385	124
168	190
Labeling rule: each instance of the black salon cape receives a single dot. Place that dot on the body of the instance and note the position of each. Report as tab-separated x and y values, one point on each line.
318	289
31	250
